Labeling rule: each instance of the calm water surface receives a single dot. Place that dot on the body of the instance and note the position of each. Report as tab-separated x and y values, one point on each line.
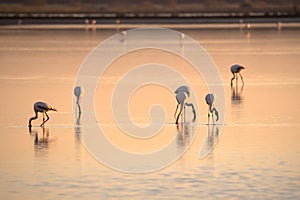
256	156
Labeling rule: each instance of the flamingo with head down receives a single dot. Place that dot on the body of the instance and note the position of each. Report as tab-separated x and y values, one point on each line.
182	95
211	109
235	69
41	107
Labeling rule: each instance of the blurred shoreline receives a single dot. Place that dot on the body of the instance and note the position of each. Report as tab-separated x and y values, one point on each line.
166	20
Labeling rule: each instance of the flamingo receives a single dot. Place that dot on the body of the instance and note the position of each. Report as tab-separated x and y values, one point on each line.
211	109
78	92
235	69
42	108
182	95
123	36
182	37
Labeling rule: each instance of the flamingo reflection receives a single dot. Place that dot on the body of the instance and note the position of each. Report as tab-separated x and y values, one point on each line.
185	133
43	140
182	37
210	140
123	37
236	94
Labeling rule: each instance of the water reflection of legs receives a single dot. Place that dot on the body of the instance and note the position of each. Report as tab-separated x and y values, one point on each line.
182	134
185	132
210	140
77	134
40	141
236	93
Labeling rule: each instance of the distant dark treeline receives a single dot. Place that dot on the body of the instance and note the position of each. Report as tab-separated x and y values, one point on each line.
138	1
290	6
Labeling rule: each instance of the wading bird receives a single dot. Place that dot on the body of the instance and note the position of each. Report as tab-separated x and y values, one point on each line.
78	92
211	108
42	108
123	36
182	95
235	69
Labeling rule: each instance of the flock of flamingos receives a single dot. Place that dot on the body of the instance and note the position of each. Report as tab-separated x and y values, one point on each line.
182	95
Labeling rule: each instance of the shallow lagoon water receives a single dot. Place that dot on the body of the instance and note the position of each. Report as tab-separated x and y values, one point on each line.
256	156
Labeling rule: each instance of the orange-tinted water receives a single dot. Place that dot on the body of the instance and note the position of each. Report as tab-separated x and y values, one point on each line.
256	155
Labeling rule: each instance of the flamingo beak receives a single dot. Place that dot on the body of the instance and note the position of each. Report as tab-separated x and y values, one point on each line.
54	109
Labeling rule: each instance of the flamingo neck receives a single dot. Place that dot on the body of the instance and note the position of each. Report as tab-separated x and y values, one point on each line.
215	112
33	118
211	109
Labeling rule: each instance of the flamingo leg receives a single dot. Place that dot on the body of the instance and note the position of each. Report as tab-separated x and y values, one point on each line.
208	115
236	82
242	88
47	117
176	111
32	118
180	112
183	114
241	78
45	120
232	78
214	109
212	116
